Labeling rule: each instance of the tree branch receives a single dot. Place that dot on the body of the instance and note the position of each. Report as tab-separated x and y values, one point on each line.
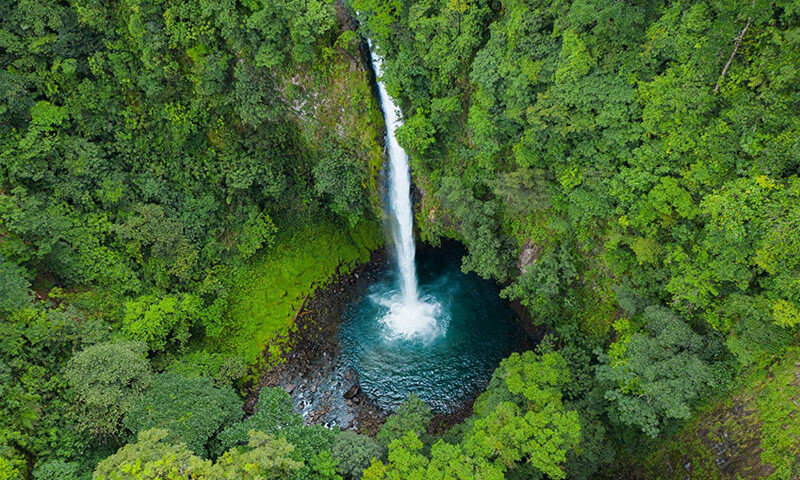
300	309
736	46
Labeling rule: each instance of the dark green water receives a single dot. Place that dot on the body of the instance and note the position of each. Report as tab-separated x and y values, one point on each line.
474	330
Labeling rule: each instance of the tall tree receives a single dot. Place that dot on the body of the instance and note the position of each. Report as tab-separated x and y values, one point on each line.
107	380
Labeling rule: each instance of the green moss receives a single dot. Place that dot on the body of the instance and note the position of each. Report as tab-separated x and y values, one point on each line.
270	289
779	409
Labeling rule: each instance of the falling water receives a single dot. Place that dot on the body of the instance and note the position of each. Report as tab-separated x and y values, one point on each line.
407	315
399	194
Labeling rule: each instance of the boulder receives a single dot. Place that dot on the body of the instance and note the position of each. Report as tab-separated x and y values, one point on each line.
528	256
352	391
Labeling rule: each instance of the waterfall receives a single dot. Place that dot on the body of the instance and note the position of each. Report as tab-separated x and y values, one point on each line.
408	315
402	225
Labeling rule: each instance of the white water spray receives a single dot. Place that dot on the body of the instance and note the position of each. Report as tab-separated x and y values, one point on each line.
408	316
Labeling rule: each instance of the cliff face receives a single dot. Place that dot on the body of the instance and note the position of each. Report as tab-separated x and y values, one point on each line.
336	100
333	106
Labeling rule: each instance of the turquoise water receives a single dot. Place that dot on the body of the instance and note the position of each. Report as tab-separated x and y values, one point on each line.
474	330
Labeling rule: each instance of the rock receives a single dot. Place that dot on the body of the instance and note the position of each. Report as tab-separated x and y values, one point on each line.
313	389
352	391
290	388
351	376
356	400
528	256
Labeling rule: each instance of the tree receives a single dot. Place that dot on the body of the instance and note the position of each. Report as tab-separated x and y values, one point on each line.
37	408
225	370
275	415
257	231
107	380
265	457
658	374
354	453
13	287
310	20
546	285
479	227
191	409
523	190
339	175
521	417
150	458
157	320
752	335
152	234
380	16
11	463
405	461
413	415
56	470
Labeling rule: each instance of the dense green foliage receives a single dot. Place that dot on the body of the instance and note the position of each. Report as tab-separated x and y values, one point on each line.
660	374
593	129
151	152
107	380
630	168
192	410
39	418
150	458
354	453
519	425
150	147
178	176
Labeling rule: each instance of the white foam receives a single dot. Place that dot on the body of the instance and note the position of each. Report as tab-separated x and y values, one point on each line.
408	316
422	320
